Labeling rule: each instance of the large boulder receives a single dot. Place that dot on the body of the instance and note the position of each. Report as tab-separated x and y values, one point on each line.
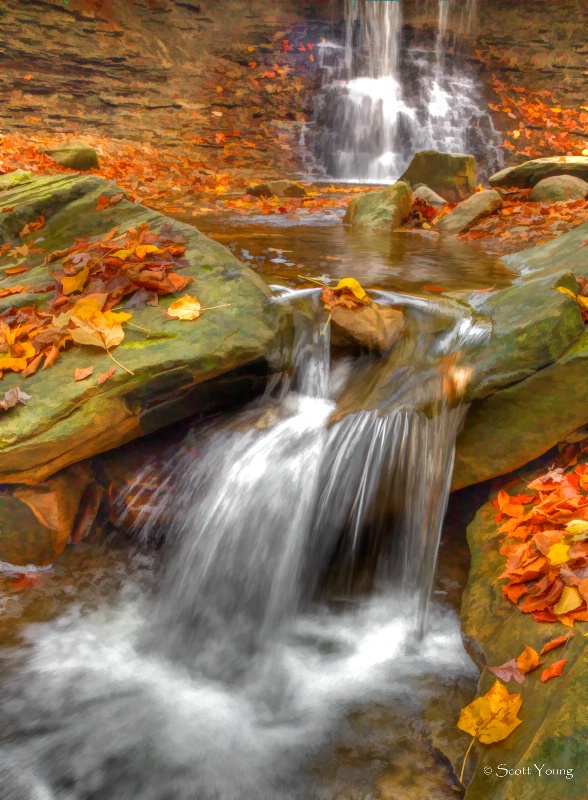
382	208
451	175
528	174
465	215
430	197
171	361
554	729
559	188
75	156
530	383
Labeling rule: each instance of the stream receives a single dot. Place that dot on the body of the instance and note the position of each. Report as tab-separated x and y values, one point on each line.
267	631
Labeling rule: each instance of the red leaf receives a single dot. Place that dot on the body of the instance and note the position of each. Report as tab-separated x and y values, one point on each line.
106	375
557	642
554	671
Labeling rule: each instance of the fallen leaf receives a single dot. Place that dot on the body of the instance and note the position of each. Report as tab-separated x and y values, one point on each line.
492	717
16	270
12	397
554	670
570	600
355	288
558	554
148	249
106	375
186	308
507	671
81	374
557	642
76	282
528	660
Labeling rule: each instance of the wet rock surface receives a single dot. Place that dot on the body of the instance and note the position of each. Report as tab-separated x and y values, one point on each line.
381	208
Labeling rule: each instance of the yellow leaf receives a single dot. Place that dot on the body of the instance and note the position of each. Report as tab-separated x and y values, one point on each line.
355	287
585	153
116	317
97	331
122	254
569	600
75	283
558	554
528	660
185	308
577	526
87	306
493	716
144	249
582	301
563	290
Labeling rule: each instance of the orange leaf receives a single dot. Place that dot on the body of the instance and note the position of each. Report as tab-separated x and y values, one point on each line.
106	375
554	671
557	642
528	660
81	374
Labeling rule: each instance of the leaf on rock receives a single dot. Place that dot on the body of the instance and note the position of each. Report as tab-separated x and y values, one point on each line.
186	308
12	397
76	282
570	600
528	660
355	288
106	375
554	671
507	671
557	642
148	249
81	374
492	717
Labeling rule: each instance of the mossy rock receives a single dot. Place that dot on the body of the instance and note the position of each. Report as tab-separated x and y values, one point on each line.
554	725
451	175
76	157
67	421
381	208
528	174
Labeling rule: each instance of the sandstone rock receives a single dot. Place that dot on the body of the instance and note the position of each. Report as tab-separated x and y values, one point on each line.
470	211
429	196
554	727
73	156
283	188
381	208
37	521
451	175
373	327
528	174
67	421
559	188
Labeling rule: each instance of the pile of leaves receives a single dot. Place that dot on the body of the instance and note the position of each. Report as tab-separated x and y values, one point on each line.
521	223
546	546
92	279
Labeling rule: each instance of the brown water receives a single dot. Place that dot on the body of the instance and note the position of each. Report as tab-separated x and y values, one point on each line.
403	261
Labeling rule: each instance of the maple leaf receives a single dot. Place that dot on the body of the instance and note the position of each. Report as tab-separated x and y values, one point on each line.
507	671
490	718
554	670
81	374
75	283
23	250
557	642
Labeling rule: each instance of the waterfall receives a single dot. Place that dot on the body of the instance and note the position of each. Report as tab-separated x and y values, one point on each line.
386	95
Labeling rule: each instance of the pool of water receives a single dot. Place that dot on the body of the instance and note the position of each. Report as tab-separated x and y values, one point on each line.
281	250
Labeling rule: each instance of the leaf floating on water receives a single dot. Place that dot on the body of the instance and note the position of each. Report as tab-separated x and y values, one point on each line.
81	374
554	671
12	397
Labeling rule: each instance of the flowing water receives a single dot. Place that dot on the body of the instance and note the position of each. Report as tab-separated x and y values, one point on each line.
388	94
270	634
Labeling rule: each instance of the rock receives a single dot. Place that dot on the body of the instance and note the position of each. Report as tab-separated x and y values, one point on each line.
78	157
37	521
465	215
429	196
16	178
283	188
530	383
554	730
528	174
373	327
560	188
67	421
452	175
387	207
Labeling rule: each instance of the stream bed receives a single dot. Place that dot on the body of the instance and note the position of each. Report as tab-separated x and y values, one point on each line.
206	656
